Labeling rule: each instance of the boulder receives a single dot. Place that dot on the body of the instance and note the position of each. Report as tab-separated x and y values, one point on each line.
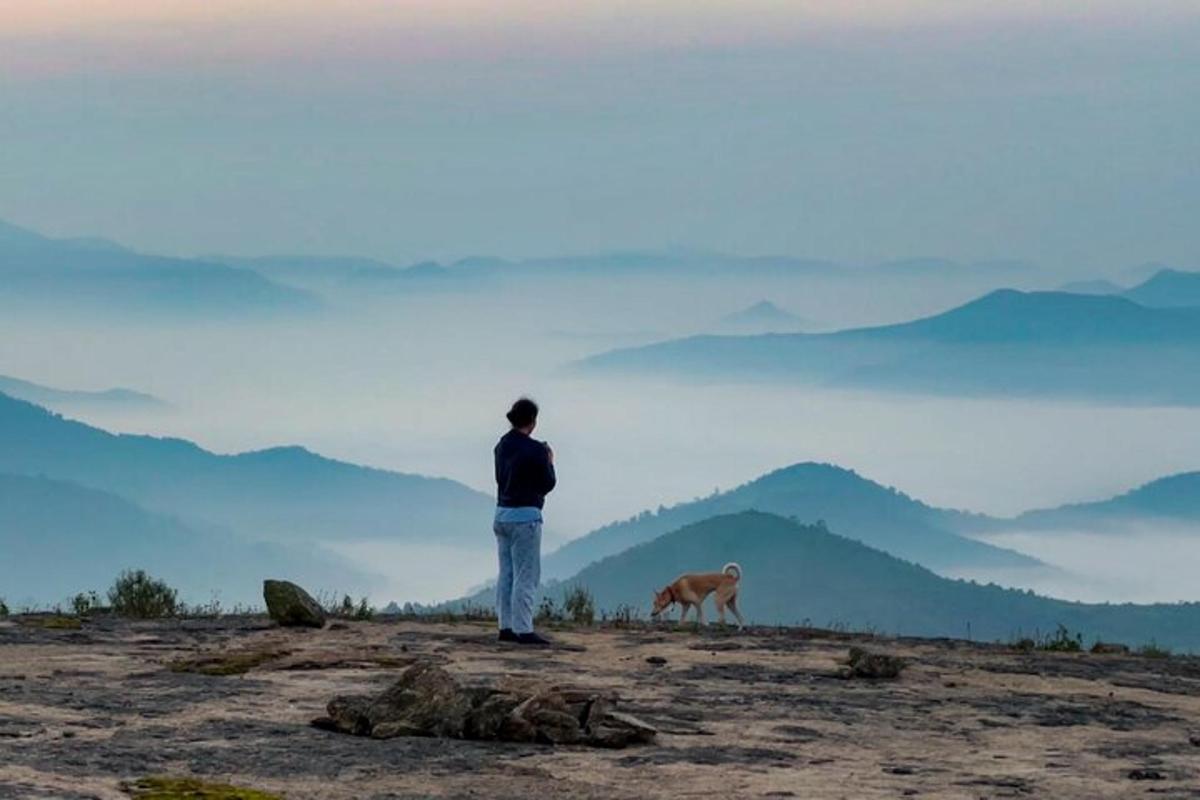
428	701
866	664
291	606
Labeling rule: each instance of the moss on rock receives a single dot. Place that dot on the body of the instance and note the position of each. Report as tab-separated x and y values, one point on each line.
58	622
161	787
231	663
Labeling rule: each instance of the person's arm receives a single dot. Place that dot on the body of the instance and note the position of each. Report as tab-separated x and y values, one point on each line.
550	478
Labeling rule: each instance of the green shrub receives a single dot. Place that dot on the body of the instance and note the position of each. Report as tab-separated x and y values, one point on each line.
86	603
3	608
579	606
136	594
364	611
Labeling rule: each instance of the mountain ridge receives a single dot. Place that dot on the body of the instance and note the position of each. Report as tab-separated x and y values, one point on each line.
50	396
858	507
285	493
795	573
1006	343
97	275
59	538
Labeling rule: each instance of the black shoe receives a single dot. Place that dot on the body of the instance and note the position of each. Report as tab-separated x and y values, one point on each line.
532	639
507	635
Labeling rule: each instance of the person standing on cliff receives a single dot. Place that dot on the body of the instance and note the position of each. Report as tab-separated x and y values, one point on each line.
524	476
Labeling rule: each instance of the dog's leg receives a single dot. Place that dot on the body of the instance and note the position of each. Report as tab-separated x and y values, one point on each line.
700	613
683	609
720	604
733	607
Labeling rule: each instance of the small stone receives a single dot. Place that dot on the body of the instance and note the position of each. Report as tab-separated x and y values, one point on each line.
865	664
657	661
616	730
1146	775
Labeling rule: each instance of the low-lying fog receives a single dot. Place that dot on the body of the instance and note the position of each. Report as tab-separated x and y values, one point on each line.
419	384
1142	564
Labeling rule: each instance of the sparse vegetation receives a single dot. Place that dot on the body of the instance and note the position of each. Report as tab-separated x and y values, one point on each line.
623	616
1062	642
3	608
579	606
547	611
1153	650
210	610
136	594
458	612
346	608
167	788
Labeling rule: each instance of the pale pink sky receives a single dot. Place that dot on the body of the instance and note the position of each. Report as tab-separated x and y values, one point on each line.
58	35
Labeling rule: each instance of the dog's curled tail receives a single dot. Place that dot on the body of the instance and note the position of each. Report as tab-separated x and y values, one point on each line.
733	569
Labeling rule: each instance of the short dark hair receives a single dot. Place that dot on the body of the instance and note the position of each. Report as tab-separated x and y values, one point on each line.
523	413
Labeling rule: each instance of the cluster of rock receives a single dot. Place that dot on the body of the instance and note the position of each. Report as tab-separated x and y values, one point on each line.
429	701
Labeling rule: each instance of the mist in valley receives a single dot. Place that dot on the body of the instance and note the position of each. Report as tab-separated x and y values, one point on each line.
416	380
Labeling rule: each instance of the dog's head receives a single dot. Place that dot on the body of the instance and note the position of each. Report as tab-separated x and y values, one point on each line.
662	600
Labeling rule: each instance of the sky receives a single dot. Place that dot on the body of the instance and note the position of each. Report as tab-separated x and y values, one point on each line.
857	131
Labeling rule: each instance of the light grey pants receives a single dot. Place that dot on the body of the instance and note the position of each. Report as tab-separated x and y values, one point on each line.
520	548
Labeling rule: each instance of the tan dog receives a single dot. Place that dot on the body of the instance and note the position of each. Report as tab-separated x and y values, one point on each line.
690	590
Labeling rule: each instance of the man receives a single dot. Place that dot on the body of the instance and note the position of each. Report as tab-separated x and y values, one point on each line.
524	476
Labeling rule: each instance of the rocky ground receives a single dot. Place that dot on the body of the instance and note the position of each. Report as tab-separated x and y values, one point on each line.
85	711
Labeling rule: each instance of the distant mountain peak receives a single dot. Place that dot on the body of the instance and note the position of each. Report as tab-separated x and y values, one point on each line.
763	316
16	234
278	453
1167	288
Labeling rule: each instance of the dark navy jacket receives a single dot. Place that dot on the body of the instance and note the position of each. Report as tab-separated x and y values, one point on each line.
524	474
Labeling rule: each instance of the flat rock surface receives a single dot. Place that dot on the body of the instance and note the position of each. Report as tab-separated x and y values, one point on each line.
82	710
